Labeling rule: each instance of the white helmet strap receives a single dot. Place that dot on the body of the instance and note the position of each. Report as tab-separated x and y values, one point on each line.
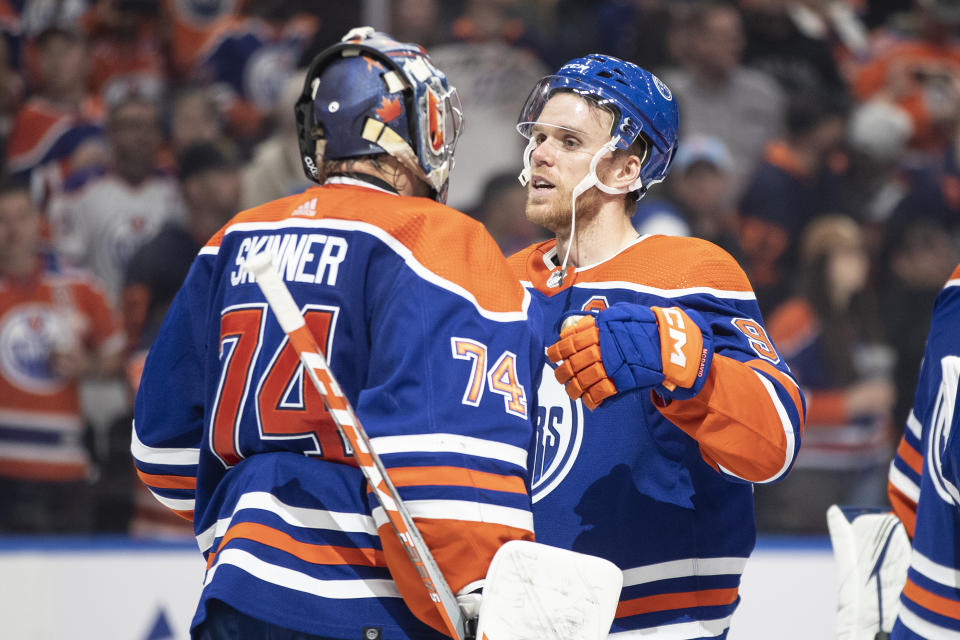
589	180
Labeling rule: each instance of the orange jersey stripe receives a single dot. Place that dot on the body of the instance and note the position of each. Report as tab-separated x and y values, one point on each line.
455	477
911	456
904	508
671	601
446	242
186	515
931	601
167	482
734	421
956	273
314	553
700	264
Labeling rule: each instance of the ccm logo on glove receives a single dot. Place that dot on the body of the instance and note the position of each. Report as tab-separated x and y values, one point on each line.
630	346
681	338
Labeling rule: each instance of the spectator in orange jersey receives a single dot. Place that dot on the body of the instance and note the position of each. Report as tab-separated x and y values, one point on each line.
59	129
125	49
830	336
921	74
56	329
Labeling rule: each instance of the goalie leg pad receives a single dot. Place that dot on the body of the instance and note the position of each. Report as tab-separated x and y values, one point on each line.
872	550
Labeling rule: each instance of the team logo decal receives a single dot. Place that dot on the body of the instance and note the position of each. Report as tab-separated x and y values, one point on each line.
558	436
27	335
662	88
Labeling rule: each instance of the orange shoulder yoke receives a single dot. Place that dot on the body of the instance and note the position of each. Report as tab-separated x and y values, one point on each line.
446	242
670	262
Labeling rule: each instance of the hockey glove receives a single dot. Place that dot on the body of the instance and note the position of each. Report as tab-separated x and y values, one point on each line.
630	346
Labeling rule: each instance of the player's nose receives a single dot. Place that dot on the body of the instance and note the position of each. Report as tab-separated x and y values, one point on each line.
543	153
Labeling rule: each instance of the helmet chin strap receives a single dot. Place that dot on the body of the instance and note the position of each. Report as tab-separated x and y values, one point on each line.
590	180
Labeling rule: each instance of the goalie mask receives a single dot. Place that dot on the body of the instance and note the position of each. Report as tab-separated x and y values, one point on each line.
639	101
370	94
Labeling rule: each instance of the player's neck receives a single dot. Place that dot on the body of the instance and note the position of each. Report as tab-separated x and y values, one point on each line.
598	238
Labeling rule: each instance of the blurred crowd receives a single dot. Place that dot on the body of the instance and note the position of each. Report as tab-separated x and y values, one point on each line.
819	146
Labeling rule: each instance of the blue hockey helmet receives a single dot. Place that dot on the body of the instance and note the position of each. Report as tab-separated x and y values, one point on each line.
640	102
369	94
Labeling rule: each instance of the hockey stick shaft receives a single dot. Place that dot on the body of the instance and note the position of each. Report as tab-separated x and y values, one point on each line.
291	321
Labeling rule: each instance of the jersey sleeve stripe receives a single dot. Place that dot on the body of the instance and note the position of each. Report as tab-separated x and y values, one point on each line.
903	484
914	426
682	569
464	511
174	505
923	628
679	631
313	553
941	574
167	482
296	516
291	579
165	456
455	476
931	601
451	443
671	601
788	383
910	456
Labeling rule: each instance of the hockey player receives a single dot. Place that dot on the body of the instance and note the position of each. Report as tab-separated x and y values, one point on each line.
427	332
687	401
924	481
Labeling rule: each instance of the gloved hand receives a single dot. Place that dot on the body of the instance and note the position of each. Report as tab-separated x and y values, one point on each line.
630	346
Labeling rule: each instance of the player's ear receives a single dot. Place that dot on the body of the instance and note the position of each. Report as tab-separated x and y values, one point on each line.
625	170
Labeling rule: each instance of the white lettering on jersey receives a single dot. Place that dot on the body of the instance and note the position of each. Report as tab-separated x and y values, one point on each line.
312	258
559	433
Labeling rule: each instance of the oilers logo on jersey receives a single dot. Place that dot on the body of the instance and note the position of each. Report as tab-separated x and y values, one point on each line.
558	437
27	335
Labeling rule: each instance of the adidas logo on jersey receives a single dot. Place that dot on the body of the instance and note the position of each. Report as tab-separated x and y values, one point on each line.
306	210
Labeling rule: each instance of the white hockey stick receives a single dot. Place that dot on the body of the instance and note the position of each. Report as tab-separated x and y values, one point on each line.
293	324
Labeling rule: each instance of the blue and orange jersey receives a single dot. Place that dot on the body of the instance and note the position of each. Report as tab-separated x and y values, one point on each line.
41	425
834	437
43	139
189	24
924	481
663	492
249	60
429	336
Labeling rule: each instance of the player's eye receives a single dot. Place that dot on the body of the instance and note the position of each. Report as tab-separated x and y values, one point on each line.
539	138
569	142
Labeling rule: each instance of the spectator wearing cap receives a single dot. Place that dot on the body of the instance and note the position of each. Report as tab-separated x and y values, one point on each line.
696	200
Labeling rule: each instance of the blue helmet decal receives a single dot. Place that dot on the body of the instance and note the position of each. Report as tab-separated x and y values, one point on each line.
640	103
370	94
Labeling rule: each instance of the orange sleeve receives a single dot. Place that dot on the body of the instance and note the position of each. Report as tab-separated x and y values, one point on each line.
737	422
